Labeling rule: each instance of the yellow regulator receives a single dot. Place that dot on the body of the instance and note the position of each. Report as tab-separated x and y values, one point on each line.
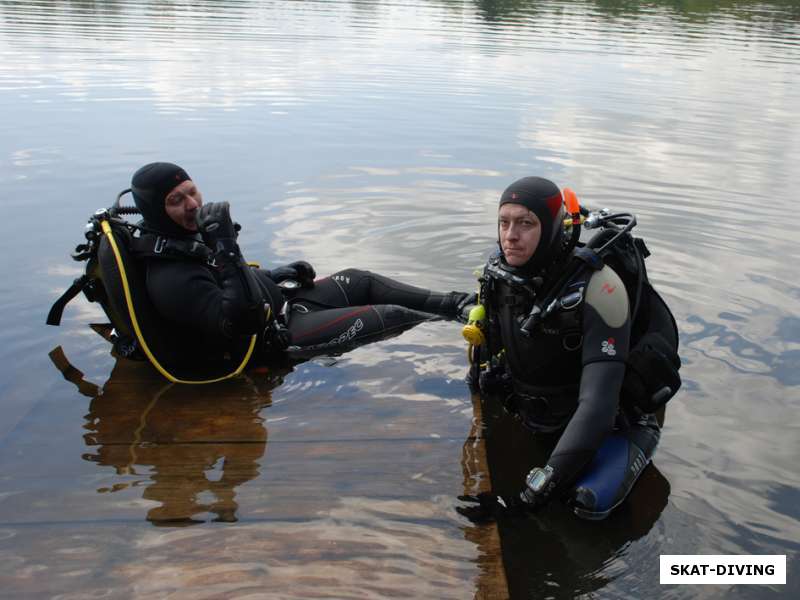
473	330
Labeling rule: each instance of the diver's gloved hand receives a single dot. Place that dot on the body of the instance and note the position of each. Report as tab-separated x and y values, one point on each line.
495	382
216	227
487	506
282	338
449	305
464	306
299	271
305	273
276	337
530	500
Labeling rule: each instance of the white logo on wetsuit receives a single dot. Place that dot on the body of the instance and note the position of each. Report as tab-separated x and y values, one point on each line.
608	347
342	278
346	336
638	464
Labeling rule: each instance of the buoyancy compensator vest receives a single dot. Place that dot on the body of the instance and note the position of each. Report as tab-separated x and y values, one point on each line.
551	312
115	278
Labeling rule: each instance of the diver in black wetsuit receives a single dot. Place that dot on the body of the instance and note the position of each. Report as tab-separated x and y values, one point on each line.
198	280
563	372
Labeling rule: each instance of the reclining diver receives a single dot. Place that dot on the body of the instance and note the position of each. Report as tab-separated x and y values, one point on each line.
574	346
211	302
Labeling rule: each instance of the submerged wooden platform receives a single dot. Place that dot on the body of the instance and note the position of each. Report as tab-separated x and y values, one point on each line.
245	488
327	481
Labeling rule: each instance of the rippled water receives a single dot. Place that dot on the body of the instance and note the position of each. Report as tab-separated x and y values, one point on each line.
379	135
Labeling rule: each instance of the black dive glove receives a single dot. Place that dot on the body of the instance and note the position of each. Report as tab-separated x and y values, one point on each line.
495	382
217	228
277	337
299	271
487	506
463	307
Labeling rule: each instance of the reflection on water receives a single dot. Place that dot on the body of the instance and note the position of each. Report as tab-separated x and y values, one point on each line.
378	135
186	448
552	549
188	451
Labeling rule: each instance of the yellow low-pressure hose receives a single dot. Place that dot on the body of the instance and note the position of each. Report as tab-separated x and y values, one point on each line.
104	224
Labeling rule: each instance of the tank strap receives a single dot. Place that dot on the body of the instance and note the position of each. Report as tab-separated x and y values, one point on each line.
513	300
150	245
57	310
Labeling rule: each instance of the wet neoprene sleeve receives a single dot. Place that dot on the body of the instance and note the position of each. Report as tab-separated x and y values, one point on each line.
592	422
221	305
606	334
243	310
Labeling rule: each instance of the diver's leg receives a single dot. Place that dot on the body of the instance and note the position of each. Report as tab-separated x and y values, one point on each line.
614	469
327	293
340	329
364	287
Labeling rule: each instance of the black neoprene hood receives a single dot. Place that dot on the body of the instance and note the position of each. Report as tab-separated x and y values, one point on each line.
543	198
150	186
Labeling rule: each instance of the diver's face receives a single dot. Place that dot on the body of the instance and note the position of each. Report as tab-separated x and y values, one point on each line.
182	204
520	231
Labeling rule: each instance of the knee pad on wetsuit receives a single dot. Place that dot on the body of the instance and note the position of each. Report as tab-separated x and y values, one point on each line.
614	469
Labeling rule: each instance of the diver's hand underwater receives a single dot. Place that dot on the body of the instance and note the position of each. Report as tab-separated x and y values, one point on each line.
486	507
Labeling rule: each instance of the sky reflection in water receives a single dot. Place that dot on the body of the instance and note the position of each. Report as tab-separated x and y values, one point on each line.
379	135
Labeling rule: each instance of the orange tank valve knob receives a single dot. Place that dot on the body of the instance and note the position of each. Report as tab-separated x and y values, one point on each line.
572	205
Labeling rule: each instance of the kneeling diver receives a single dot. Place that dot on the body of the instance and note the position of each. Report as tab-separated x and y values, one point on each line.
570	344
210	300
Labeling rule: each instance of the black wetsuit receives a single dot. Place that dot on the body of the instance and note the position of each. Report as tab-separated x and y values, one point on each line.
209	310
569	372
352	307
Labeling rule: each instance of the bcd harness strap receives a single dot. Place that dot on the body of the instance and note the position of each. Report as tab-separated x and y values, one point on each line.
582	259
147	245
150	245
57	310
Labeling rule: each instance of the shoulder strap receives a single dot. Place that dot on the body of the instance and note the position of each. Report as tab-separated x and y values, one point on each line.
150	245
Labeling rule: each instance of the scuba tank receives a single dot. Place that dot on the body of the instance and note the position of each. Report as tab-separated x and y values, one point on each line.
114	278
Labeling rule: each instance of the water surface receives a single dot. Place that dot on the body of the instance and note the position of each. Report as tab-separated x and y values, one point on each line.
379	135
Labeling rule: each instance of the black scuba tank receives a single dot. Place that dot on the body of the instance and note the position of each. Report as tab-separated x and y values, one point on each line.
651	370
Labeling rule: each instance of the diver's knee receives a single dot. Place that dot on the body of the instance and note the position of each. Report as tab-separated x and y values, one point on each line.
611	475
